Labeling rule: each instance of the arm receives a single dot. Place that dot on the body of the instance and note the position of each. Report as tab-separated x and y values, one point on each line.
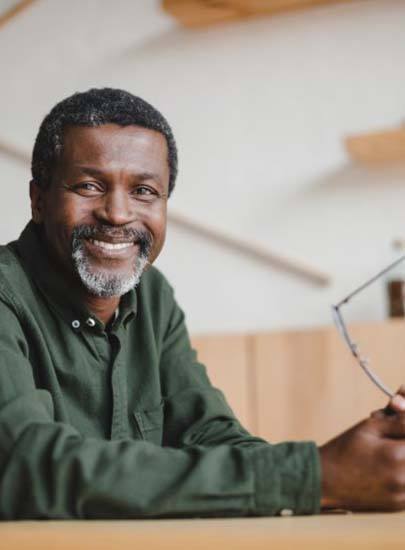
48	470
362	469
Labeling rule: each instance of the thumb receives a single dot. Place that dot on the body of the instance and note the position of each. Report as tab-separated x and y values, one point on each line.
397	403
401	390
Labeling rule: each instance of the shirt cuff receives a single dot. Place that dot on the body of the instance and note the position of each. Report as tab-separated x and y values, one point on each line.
288	479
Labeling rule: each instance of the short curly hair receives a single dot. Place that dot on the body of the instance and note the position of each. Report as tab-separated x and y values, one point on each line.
96	107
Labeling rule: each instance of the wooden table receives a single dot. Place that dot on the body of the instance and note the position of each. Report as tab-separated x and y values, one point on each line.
327	532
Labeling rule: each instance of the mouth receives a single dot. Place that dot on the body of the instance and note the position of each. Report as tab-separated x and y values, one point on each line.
110	245
109	249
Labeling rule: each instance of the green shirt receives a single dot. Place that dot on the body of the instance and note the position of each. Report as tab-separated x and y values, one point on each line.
98	423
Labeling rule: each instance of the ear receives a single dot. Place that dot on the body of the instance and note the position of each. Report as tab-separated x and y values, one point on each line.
37	198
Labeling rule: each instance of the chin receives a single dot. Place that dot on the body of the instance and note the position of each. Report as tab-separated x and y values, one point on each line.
107	283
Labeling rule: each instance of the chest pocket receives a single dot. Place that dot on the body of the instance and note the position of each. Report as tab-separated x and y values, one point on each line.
150	424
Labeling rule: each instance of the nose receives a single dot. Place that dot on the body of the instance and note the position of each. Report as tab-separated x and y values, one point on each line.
116	208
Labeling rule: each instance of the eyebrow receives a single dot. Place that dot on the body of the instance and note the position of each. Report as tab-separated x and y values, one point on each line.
142	176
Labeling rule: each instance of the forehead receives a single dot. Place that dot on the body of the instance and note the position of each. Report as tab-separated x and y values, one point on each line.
113	146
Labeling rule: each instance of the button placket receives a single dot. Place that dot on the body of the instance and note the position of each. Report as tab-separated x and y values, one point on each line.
119	428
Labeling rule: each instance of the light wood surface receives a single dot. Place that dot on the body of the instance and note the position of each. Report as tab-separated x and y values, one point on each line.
197	13
329	532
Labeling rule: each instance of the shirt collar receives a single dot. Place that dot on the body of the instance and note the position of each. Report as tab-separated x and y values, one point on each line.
34	254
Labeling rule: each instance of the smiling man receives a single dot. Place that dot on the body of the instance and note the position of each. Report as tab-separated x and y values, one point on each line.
104	410
104	217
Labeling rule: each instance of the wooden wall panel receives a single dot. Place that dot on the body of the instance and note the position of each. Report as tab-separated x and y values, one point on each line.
308	386
228	362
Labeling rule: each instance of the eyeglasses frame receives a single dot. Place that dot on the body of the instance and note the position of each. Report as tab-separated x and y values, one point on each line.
343	331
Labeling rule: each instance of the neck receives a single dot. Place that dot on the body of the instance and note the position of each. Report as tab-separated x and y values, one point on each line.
103	308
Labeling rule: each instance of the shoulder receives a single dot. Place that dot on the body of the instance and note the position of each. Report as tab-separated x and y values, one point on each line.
7	255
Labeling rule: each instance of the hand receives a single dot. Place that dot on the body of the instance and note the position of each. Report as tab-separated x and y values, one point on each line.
364	468
396	404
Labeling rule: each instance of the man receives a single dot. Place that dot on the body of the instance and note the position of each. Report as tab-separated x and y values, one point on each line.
104	410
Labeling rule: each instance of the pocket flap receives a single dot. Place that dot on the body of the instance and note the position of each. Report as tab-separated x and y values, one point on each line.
151	419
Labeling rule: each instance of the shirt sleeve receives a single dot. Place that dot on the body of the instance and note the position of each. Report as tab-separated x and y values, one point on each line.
48	470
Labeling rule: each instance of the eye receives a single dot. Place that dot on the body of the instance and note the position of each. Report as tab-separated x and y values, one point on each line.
87	189
145	193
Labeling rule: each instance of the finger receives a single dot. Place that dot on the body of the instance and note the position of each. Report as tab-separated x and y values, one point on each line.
397	403
386	411
401	390
381	413
392	426
389	411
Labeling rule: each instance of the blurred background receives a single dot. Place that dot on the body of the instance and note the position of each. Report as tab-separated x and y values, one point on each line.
290	128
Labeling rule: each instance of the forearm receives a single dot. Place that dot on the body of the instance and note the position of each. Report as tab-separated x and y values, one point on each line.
49	471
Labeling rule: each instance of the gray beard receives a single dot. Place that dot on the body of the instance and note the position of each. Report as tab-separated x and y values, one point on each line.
101	283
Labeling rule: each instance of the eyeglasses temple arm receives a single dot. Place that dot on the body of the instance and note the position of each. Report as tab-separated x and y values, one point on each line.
367	283
374	378
341	326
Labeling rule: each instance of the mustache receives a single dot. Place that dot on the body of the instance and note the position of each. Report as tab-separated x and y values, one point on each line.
142	237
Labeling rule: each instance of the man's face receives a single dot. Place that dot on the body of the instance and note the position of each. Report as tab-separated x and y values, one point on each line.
104	214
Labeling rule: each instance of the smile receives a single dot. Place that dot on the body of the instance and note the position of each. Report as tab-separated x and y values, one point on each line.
105	250
111	246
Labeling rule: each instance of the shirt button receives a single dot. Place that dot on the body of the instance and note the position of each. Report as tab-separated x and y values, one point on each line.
75	323
285	512
91	322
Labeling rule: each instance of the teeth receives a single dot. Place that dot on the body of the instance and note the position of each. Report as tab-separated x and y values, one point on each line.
111	246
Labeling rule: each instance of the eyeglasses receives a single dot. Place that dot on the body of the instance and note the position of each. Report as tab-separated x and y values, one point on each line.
342	328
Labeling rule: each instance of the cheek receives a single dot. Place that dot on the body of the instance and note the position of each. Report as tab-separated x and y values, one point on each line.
63	215
157	226
69	211
58	234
